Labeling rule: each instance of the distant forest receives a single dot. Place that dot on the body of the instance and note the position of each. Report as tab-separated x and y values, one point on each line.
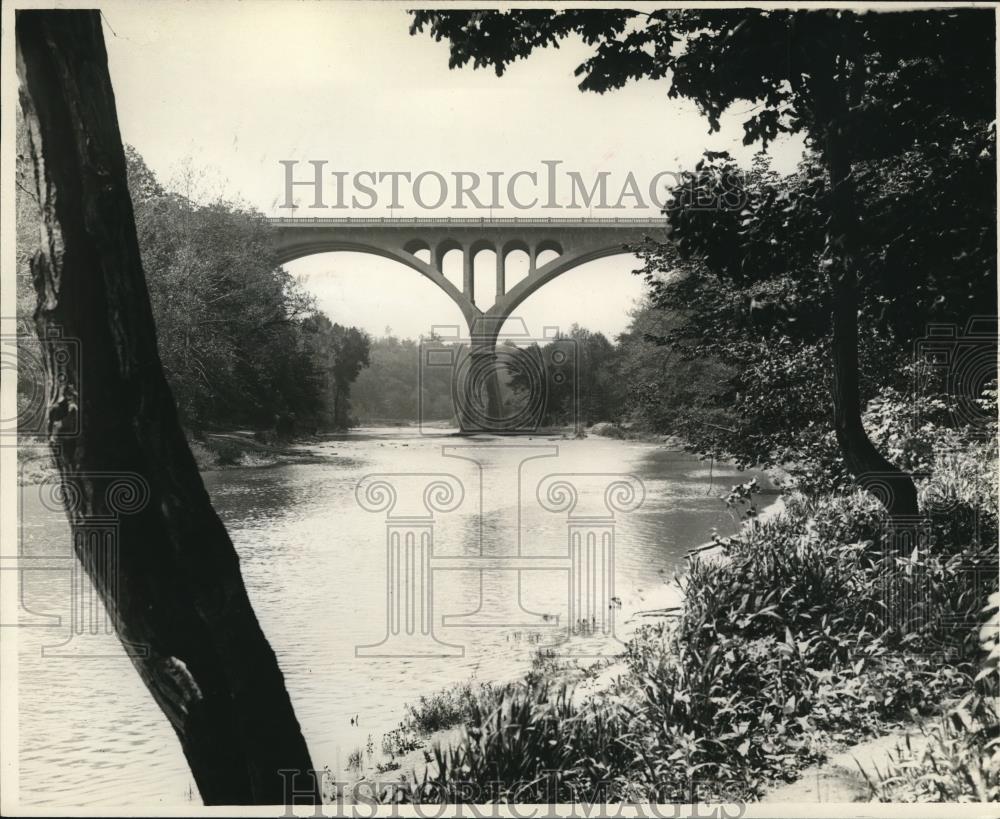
631	380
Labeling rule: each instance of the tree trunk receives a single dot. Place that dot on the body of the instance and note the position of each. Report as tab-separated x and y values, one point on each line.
893	487
173	588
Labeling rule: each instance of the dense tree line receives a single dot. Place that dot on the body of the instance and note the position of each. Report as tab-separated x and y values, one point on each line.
926	246
579	378
241	342
404	384
398	387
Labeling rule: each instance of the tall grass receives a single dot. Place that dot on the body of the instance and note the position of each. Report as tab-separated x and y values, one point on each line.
813	631
444	709
959	763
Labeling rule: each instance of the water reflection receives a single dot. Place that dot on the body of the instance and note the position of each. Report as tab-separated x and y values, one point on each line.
315	568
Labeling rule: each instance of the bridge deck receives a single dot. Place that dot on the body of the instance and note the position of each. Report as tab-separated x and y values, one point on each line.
574	241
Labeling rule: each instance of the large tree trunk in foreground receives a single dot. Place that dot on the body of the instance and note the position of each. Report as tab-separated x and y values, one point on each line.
176	592
893	487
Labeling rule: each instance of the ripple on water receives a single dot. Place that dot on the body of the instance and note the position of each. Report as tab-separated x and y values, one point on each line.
314	566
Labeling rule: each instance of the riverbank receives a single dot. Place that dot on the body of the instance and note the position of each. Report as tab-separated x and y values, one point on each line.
243	449
237	449
413	752
602	429
626	432
668	599
789	648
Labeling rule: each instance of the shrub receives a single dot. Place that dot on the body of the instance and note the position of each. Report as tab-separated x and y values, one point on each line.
815	628
528	743
227	452
444	709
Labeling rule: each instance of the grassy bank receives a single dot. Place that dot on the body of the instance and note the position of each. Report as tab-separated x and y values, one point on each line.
214	450
226	450
632	432
812	631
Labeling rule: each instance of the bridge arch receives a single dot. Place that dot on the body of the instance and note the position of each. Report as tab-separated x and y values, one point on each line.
540	276
414	246
573	241
403	257
547	245
479	245
515	244
443	248
487	273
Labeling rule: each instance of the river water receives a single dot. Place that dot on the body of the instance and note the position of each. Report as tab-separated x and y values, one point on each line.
315	565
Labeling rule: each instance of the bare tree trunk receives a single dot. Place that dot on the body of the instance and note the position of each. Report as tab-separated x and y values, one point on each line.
893	487
179	594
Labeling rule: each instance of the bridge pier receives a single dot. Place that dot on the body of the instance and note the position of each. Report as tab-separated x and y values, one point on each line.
468	274
480	379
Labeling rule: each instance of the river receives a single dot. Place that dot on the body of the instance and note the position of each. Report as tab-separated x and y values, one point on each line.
315	563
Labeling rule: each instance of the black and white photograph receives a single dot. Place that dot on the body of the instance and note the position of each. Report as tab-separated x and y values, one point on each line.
493	409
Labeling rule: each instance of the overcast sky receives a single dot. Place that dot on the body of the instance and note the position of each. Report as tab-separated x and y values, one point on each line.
230	89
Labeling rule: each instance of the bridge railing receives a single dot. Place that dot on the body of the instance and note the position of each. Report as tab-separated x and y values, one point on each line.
473	222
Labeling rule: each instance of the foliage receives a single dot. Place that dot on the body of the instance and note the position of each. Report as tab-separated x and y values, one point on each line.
579	380
338	354
526	744
399	741
578	384
227	453
874	97
662	387
780	58
769	318
960	762
398	386
240	341
809	631
27	234
961	759
442	710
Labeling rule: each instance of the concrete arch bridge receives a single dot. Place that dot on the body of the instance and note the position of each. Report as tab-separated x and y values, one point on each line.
574	241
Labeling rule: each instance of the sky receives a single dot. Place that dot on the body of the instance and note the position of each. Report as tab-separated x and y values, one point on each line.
224	91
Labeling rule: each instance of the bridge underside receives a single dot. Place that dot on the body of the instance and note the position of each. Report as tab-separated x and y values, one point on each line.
575	242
